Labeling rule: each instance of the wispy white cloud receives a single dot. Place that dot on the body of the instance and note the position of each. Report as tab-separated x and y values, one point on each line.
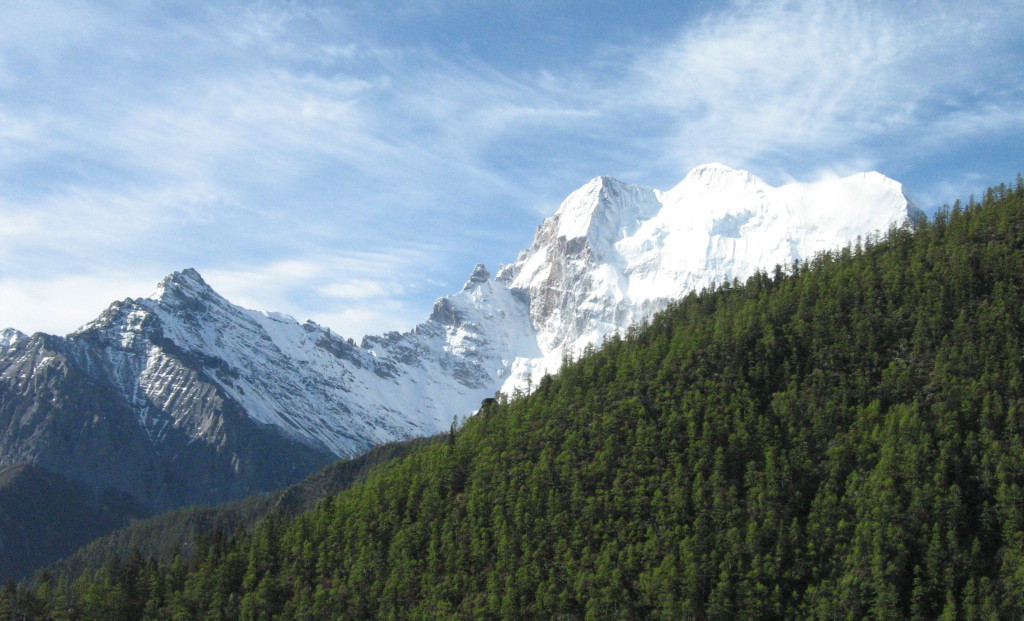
358	289
310	160
355	293
61	303
770	83
986	119
266	137
85	219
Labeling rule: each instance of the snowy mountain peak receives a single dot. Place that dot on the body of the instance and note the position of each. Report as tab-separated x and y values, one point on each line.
479	276
718	180
716	174
611	255
599	210
186	294
10	337
186	284
614	253
219	400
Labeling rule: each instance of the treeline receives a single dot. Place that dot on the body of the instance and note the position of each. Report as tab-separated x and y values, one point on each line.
840	439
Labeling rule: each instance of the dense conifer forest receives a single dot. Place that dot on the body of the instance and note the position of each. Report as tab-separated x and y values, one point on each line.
179	531
838	439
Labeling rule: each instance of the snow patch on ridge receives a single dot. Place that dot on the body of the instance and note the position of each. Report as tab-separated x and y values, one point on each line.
10	337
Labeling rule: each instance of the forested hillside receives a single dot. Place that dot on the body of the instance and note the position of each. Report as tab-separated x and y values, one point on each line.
841	439
178	531
44	516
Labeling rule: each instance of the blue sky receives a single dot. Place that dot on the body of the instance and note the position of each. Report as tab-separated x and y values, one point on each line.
350	162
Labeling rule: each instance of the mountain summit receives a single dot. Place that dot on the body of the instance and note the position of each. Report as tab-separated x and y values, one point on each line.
614	253
184	381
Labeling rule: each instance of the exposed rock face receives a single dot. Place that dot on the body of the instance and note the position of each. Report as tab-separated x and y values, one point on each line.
151	425
184	397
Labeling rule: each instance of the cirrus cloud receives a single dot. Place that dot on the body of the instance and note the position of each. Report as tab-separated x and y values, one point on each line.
348	164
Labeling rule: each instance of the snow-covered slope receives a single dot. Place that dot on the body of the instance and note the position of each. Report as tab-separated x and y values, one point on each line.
9	337
614	253
611	255
302	378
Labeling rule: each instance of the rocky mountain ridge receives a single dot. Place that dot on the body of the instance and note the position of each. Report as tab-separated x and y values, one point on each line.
185	381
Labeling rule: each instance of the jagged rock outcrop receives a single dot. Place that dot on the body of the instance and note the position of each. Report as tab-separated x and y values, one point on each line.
152	425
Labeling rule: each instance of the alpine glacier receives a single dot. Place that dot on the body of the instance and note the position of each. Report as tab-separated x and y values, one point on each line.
611	255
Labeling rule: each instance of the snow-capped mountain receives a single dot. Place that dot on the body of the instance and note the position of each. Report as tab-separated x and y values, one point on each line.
302	379
185	368
10	337
614	253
